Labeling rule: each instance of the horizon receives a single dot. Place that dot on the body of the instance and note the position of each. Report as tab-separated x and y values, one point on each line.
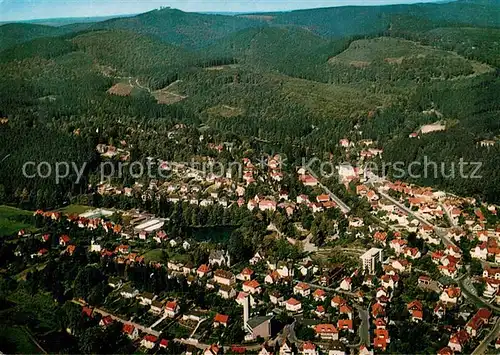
35	10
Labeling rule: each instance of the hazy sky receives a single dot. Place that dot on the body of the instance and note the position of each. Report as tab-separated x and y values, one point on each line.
13	10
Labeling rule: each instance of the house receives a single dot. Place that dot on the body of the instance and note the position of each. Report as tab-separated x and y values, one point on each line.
224	277
171	309
458	341
64	240
106	321
346	284
345	324
389	281
481	318
145	298
128	292
160	236
401	265
130	330
337	301
378	310
219	257
398	245
286	348
87	311
227	292
149	341
204	270
221	320
302	289
256	258
451	295
440	310
164	343
292	305
493	273
285	269
412	253
114	282
380	237
308	180
266	350
259	326
245	275
381	339
123	249
416	310
336	347
445	351
156	307
380	323
276	298
309	349
213	349
251	287
319	295
346	309
272	277
320	311
326	332
364	351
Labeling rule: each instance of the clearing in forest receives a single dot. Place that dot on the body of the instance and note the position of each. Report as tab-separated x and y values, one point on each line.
225	111
121	89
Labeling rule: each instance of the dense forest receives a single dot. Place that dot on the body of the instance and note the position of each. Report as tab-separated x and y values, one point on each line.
293	82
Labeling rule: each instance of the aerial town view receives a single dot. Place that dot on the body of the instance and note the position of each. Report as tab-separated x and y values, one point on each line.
250	177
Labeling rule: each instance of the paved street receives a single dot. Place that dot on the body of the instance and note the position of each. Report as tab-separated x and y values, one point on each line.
482	348
124	321
343	207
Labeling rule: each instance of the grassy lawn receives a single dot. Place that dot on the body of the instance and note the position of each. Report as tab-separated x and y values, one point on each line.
16	340
153	255
75	209
13	219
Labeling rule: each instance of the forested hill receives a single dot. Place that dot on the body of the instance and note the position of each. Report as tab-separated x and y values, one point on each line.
299	81
15	33
194	30
199	30
178	27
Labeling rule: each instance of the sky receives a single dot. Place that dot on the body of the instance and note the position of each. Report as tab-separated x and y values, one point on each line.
16	10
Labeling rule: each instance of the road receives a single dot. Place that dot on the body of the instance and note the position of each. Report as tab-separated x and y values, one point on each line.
482	348
452	221
227	348
137	325
440	232
343	207
364	328
470	292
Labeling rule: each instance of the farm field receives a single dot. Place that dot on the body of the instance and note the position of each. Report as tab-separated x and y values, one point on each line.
13	219
75	209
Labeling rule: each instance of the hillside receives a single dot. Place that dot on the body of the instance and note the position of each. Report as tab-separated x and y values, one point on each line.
369	20
15	33
178	27
133	54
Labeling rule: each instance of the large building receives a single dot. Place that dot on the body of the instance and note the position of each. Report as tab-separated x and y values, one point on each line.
370	259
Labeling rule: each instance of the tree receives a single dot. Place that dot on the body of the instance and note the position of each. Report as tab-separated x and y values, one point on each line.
91	340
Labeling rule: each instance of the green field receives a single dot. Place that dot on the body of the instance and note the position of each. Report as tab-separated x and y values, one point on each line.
153	255
13	219
384	48
75	209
